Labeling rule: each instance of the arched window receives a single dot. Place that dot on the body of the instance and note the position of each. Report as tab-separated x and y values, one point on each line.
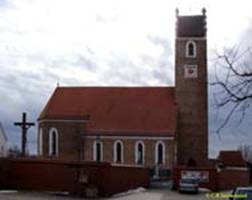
139	152
118	152
160	152
41	142
53	142
97	151
191	50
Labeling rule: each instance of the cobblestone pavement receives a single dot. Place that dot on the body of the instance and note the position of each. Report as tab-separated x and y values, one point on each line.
147	195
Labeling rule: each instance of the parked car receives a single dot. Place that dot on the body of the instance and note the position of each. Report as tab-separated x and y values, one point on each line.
189	185
247	191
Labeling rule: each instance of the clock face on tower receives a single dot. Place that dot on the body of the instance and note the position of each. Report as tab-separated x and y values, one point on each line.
190	71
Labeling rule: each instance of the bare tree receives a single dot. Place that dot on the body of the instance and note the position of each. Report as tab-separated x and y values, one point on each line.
233	82
246	151
14	151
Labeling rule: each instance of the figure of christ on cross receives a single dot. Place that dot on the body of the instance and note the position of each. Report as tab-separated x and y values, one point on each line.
24	126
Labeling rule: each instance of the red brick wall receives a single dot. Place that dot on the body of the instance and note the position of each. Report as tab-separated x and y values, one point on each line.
122	178
56	175
211	184
230	178
40	176
73	145
191	98
70	142
129	151
224	180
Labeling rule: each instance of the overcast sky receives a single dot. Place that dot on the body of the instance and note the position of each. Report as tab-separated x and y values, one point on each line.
105	43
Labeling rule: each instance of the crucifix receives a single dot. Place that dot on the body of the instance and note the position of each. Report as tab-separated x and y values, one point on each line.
24	126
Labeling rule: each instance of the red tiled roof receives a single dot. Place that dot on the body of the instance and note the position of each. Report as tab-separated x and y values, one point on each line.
231	158
116	110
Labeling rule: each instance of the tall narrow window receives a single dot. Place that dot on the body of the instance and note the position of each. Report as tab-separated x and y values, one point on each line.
118	152
41	142
97	151
191	50
53	142
139	152
160	152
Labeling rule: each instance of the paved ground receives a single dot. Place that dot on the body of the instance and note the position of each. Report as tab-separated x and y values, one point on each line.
147	195
163	195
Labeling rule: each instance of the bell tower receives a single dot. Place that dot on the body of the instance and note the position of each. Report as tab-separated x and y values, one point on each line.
191	89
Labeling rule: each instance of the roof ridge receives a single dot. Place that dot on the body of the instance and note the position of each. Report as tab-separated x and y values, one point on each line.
111	87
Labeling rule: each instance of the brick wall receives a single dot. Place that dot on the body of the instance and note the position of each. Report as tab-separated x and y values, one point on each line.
191	98
122	178
73	145
70	142
231	178
226	179
56	175
129	151
211	184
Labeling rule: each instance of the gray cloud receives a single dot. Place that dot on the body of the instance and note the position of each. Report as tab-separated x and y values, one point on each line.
31	69
164	70
86	63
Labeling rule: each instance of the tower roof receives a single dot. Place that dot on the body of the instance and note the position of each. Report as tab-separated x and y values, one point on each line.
191	25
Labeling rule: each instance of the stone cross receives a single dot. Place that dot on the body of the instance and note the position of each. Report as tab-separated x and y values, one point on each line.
24	126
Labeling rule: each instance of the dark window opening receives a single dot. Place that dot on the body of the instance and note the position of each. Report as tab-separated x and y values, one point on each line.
139	154
160	154
118	153
191	50
98	151
54	143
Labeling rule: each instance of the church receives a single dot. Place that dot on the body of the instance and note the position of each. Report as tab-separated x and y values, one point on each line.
142	126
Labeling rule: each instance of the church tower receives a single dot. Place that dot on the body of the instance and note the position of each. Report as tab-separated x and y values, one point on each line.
191	89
